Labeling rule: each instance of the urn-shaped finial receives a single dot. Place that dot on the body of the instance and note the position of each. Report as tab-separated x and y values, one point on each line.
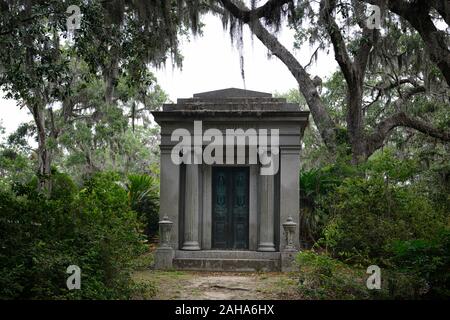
289	231
165	230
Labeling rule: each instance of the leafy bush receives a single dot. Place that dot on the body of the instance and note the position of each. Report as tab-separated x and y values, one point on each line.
93	228
14	167
370	211
321	277
143	195
367	215
387	212
428	260
63	187
315	185
109	237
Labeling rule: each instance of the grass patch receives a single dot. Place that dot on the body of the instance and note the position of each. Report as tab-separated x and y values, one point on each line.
143	262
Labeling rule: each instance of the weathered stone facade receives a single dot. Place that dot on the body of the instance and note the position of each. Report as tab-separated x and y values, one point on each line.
222	218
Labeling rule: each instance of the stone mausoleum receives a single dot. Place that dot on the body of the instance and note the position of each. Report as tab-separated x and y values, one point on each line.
229	215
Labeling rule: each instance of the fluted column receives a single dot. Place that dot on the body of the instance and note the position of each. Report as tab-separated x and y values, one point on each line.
266	221
191	207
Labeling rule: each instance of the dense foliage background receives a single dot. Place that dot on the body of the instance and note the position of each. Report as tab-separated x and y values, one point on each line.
91	226
389	212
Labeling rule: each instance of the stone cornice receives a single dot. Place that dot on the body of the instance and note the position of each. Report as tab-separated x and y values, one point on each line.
234	116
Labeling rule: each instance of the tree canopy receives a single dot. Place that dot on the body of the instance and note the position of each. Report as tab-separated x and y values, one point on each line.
374	66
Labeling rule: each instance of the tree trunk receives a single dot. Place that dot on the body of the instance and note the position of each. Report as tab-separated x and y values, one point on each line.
354	71
321	117
110	77
44	154
355	122
418	15
434	39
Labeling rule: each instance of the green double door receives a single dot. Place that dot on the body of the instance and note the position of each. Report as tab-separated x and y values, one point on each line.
230	203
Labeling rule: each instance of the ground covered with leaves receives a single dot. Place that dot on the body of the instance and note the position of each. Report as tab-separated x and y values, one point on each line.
171	285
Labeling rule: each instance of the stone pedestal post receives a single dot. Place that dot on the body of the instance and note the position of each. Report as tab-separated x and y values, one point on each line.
164	254
289	252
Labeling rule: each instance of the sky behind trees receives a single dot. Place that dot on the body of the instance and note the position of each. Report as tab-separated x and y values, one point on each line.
211	63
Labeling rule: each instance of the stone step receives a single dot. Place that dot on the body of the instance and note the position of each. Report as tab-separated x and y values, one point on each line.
218	264
227	254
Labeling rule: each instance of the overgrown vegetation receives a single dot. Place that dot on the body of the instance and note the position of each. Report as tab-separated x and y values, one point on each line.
92	227
386	212
143	197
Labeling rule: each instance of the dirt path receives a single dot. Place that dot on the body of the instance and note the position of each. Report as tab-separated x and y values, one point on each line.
220	285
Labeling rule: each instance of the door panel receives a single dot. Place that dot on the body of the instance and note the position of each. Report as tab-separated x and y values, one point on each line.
240	208
230	207
220	208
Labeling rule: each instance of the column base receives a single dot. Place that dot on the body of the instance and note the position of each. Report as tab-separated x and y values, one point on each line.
191	245
266	246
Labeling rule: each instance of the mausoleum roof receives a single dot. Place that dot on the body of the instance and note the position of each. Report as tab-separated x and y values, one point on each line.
233	108
231	100
232	93
232	105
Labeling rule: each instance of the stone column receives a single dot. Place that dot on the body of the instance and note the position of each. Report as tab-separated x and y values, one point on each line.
207	207
192	206
170	192
289	191
266	221
253	208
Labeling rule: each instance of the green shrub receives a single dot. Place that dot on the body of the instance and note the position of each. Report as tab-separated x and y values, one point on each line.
428	260
93	228
387	212
143	195
315	187
63	187
321	277
368	211
15	167
367	215
109	237
313	184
